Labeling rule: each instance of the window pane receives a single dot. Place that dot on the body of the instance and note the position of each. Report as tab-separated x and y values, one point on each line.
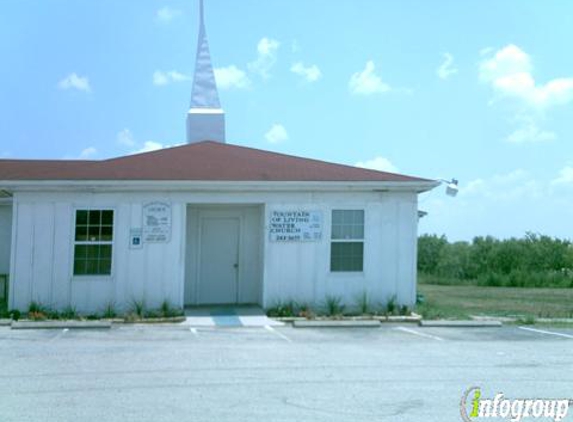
79	267
92	266
347	224
93	233
107	218
337	217
81	217
80	252
92	251
94	218
106	233
105	252
105	266
81	233
347	256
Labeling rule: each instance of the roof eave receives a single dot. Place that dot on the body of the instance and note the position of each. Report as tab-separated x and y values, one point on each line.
417	186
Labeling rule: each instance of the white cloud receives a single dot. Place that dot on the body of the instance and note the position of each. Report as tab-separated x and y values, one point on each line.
167	14
565	176
530	132
447	67
509	72
231	77
367	82
267	49
276	134
161	78
148	146
73	81
510	186
125	137
310	73
88	152
378	163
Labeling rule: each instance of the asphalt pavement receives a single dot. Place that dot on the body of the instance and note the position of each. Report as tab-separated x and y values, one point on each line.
398	372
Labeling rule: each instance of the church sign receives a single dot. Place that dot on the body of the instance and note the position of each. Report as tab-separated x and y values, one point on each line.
156	222
295	226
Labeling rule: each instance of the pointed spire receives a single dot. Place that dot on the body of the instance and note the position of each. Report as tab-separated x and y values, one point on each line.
205	119
204	93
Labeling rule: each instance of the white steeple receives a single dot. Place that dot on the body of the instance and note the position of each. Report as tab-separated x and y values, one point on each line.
205	119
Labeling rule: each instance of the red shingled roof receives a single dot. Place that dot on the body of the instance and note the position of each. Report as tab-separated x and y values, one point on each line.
206	161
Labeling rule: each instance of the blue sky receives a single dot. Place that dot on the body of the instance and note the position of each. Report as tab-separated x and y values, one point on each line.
477	90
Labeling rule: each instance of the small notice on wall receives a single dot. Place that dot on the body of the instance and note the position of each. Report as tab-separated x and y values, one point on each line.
135	238
157	222
295	226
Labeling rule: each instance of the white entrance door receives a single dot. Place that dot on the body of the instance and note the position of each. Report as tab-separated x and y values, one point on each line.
219	260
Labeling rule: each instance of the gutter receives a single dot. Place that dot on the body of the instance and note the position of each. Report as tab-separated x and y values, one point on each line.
11	186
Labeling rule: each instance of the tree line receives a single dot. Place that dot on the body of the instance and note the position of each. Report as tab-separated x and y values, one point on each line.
532	261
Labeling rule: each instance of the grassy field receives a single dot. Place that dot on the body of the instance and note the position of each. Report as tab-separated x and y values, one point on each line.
463	301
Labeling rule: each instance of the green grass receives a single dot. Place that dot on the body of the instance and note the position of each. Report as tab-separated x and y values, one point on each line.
462	301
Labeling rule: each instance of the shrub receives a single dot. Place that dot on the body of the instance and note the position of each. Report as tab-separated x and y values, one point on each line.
109	311
138	308
333	305
167	310
37	311
532	261
391	305
14	314
527	320
305	311
363	304
69	313
283	309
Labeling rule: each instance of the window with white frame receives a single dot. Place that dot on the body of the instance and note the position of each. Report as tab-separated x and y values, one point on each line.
347	241
93	242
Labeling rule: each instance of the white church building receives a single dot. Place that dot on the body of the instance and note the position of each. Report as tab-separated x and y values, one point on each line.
205	223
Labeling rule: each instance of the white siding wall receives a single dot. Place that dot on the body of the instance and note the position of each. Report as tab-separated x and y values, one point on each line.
5	237
42	258
43	254
301	271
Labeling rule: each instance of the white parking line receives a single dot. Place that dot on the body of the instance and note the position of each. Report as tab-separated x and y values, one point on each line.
281	335
59	335
418	333
553	333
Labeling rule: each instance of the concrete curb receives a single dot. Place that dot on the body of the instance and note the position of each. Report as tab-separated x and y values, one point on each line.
554	320
287	319
366	323
414	318
35	325
167	320
467	324
5	322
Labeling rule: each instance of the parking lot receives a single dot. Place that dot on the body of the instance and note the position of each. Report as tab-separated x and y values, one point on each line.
398	372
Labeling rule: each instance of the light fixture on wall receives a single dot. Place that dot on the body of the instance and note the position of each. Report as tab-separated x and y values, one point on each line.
451	186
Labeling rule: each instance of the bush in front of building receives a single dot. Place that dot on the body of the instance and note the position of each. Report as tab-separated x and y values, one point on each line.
333	306
38	311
